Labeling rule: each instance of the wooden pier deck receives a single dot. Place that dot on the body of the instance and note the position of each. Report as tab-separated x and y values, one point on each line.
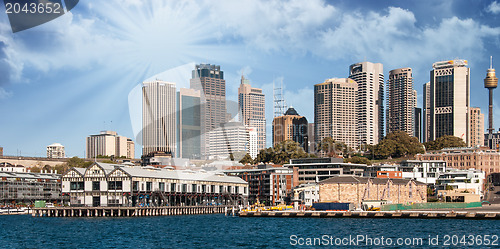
127	211
441	214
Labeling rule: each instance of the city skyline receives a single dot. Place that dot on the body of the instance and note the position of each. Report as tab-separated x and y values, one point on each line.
82	88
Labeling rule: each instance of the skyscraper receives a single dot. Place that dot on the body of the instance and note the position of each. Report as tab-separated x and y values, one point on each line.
227	139
158	117
426	116
209	79
418	124
476	127
188	123
335	111
401	101
449	100
252	104
370	100
291	126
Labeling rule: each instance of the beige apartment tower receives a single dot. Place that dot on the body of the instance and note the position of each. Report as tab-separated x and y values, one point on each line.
158	117
449	100
476	127
252	104
109	143
370	107
335	111
426	129
401	101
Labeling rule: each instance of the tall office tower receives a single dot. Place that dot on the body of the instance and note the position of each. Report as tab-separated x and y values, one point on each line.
335	111
252	104
56	150
426	116
370	100
227	139
209	79
311	138
252	142
188	123
158	117
401	101
291	126
418	124
476	127
491	82
109	143
449	103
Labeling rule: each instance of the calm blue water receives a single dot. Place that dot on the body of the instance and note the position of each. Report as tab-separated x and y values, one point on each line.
218	231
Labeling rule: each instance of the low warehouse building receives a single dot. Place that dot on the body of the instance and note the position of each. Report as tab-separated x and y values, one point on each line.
354	189
103	184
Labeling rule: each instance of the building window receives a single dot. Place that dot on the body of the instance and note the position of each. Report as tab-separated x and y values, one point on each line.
193	188
161	185
76	185
149	186
203	188
172	187
115	185
96	186
212	189
135	186
184	188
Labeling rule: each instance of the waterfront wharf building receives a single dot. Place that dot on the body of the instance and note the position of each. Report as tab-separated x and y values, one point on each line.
307	194
476	127
401	101
103	184
189	123
209	80
27	187
335	111
227	139
268	185
355	190
291	126
109	143
370	100
314	170
55	150
450	100
481	158
252	105
158	117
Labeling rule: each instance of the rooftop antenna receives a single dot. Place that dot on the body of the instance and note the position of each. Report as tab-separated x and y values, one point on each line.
279	101
491	62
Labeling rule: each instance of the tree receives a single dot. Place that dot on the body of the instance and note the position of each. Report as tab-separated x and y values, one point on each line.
397	144
446	141
358	159
281	153
247	159
78	163
333	148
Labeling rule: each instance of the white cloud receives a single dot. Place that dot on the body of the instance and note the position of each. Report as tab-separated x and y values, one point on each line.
4	94
494	8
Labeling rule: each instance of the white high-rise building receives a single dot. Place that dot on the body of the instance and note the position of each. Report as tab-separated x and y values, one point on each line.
56	150
252	142
158	117
449	100
227	139
370	79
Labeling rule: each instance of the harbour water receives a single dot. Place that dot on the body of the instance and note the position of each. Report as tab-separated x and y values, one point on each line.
219	231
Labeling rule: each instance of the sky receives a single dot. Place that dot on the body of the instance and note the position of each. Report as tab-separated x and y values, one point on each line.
75	75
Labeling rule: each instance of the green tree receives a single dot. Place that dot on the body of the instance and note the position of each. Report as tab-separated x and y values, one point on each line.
78	163
281	153
247	159
358	159
397	144
333	148
446	141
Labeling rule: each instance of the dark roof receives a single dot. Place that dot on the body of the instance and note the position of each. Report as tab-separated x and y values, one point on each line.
291	111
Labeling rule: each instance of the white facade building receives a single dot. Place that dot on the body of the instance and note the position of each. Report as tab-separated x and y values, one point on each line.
253	149
308	194
103	184
227	139
425	171
158	117
465	180
56	150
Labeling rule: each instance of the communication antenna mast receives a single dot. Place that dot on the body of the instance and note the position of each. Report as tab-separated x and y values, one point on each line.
279	101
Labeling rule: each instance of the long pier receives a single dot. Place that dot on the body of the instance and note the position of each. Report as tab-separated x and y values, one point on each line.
442	214
128	211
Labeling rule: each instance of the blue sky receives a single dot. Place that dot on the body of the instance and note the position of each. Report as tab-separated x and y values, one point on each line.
71	77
